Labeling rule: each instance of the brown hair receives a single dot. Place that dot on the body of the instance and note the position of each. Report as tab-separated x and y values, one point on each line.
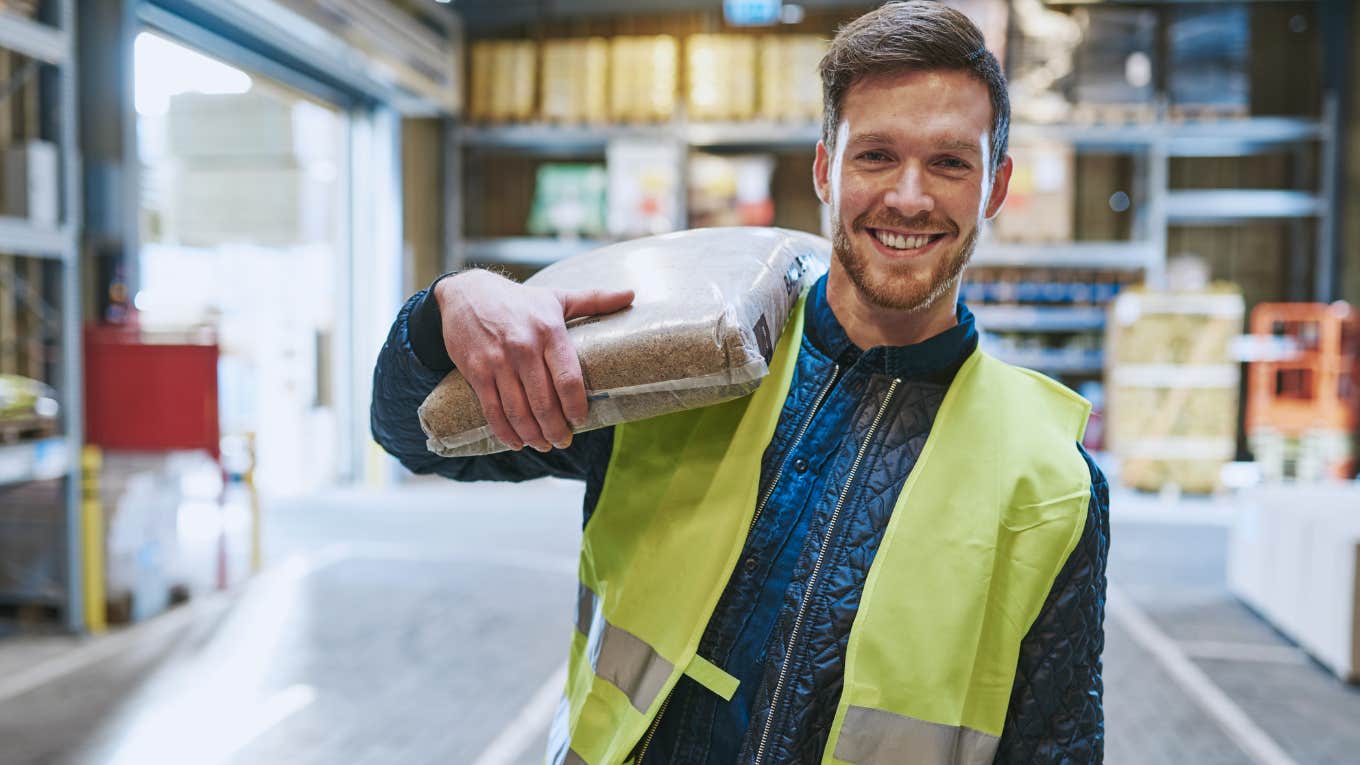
907	36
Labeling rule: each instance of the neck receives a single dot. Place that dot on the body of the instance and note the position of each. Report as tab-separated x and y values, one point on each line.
869	325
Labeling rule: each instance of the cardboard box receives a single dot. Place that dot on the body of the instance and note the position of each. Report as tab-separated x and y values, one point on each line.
31	183
1039	206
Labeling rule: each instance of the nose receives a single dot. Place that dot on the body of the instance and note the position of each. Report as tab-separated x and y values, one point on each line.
908	194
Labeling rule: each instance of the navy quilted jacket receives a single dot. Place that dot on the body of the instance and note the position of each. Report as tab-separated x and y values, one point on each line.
836	394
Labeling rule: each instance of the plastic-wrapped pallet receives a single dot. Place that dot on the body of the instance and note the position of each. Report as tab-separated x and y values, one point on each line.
720	72
708	309
574	75
1173	380
786	92
643	76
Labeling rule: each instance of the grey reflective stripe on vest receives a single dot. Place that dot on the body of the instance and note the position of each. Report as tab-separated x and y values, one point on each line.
876	737
586	605
618	655
573	759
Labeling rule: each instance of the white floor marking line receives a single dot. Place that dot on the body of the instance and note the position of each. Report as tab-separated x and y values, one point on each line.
526	727
275	710
1254	652
1254	741
100	648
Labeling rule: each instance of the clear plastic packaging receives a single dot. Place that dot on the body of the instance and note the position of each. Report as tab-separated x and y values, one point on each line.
709	307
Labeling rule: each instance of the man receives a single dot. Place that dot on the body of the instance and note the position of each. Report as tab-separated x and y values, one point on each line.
894	551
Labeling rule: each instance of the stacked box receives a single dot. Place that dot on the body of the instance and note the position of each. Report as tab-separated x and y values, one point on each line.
643	85
575	76
502	75
720	76
33	542
1039	206
789	91
1173	386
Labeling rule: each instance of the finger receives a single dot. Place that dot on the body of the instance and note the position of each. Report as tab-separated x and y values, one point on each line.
543	402
565	368
517	411
578	303
487	395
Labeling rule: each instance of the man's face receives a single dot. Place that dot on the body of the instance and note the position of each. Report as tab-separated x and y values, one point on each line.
909	183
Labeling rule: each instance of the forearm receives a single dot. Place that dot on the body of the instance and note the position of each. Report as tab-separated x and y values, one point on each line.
403	377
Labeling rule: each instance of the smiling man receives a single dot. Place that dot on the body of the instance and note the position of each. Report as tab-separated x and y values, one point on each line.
894	551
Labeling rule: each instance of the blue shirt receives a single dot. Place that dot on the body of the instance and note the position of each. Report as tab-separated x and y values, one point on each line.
698	726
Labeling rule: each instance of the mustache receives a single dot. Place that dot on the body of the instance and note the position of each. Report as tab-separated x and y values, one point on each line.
879	219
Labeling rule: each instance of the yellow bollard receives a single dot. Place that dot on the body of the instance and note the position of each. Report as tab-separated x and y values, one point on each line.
248	478
92	539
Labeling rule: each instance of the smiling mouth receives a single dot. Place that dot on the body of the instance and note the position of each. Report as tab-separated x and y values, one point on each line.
904	242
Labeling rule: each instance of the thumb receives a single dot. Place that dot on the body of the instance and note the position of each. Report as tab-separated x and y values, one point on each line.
578	303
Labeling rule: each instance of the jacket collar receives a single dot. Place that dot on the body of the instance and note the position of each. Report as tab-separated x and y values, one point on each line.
935	359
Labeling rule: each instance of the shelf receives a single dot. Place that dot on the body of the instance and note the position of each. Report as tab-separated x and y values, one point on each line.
1218	138
758	135
19	237
33	39
1110	255
558	139
525	250
1208	207
33	460
1053	360
1011	318
1191	139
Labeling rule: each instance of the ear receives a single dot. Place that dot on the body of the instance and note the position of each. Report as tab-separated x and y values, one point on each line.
1001	183
821	173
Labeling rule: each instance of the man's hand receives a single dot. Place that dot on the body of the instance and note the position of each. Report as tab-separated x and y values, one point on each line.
510	342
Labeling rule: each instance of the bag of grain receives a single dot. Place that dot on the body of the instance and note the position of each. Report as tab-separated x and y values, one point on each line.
709	306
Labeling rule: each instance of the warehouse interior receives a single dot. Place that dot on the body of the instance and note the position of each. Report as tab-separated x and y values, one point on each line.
211	213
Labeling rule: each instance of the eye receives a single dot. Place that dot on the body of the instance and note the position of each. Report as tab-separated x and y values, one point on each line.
953	163
873	155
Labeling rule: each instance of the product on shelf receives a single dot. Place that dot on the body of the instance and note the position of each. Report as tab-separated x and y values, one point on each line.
644	187
28	409
788	90
502	75
1209	75
643	78
574	80
708	311
1172	385
1039	206
730	190
720	76
569	200
1114	61
1303	411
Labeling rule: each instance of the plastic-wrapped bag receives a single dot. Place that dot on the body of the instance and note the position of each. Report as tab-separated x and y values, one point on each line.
708	309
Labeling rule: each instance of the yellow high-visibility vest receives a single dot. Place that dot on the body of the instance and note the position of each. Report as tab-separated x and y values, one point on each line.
991	511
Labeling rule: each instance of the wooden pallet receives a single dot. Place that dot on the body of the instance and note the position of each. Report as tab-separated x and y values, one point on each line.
27	429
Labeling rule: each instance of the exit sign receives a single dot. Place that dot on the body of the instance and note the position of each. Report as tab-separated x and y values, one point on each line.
751	13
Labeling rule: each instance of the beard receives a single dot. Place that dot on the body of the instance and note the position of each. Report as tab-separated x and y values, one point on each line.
902	286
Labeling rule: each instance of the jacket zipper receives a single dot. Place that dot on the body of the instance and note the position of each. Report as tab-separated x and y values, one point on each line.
774	482
651	729
816	572
760	507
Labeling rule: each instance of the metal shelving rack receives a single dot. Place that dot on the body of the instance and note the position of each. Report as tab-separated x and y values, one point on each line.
53	45
1157	207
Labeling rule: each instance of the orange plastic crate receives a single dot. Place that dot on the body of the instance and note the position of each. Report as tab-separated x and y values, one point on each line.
1319	389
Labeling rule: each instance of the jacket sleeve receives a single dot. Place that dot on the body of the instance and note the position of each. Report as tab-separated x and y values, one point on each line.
401	381
1055	713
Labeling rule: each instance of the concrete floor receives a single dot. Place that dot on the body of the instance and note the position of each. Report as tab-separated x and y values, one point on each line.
428	624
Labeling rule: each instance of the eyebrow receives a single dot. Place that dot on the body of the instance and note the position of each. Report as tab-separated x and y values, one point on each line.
944	144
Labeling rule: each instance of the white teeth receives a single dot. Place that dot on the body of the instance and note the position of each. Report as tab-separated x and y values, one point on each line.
901	242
